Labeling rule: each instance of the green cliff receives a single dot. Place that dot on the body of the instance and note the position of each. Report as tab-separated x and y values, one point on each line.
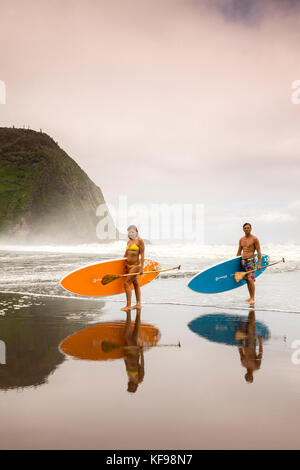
45	197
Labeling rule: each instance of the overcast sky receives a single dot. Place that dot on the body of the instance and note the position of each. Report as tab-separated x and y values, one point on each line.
166	100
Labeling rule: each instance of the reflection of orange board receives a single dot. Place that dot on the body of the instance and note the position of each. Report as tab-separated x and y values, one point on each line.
87	280
87	343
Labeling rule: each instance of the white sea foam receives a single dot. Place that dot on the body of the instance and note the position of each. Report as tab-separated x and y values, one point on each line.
171	250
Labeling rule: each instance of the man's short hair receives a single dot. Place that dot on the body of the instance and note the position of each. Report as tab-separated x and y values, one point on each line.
247	223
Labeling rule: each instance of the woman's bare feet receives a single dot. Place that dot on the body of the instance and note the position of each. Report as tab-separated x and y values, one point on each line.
126	309
136	306
251	301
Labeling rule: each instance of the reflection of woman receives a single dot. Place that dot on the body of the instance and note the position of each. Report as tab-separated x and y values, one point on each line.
133	353
135	263
249	357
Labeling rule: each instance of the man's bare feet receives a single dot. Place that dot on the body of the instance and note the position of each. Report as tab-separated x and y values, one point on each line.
136	306
247	300
126	309
251	301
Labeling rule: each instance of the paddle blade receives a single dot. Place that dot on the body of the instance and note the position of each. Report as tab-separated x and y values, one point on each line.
109	278
107	346
239	276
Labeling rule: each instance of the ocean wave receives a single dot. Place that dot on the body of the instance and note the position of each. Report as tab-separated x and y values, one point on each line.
164	250
193	271
53	273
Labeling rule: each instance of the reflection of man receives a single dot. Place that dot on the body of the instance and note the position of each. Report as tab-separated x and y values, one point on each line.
133	352
247	247
249	358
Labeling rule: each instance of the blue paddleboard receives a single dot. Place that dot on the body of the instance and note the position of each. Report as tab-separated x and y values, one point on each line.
222	328
220	277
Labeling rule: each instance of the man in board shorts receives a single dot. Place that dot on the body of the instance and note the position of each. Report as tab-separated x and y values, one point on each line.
247	247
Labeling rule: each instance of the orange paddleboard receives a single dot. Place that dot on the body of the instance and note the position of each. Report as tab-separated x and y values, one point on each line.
87	280
89	343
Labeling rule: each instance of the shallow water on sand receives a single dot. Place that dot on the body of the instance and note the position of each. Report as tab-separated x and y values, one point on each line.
191	397
233	383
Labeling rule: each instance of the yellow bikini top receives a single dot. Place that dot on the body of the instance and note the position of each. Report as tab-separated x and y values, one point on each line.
132	373
133	247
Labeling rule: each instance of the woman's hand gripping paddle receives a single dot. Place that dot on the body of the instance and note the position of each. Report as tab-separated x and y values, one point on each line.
112	277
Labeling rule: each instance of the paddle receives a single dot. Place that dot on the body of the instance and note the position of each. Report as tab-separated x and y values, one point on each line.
108	346
112	277
240	275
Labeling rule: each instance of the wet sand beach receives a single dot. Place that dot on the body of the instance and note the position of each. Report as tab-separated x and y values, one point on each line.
192	397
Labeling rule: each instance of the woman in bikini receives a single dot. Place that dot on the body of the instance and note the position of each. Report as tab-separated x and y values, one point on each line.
135	263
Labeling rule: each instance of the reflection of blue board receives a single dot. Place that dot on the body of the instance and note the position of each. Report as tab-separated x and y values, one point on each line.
220	277
222	328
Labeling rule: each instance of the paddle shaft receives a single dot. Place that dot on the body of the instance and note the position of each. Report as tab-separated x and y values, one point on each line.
178	345
156	346
150	272
272	264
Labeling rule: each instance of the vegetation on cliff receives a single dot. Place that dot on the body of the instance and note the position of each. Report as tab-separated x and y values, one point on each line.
44	195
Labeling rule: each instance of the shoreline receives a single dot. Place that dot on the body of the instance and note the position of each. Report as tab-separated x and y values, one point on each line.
64	393
102	299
